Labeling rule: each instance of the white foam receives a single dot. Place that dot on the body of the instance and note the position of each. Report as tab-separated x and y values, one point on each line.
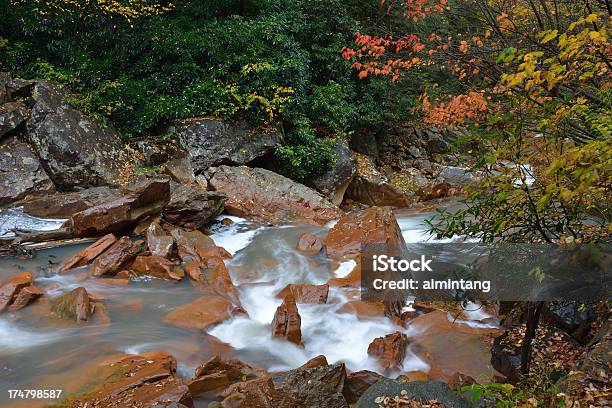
345	268
476	317
13	218
234	237
14	339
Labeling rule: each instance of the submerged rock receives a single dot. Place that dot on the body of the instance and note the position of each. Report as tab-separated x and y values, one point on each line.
21	173
212	142
390	351
287	322
74	150
192	207
200	314
265	195
309	243
120	213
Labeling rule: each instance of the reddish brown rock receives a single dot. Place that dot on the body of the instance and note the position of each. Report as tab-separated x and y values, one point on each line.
364	310
257	393
309	244
158	242
191	244
118	257
390	350
287	322
65	204
217	373
375	225
262	194
26	296
157	266
318	361
201	313
74	306
357	384
88	254
10	291
121	213
145	380
303	293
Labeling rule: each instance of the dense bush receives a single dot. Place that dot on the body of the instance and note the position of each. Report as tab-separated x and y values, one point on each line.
266	60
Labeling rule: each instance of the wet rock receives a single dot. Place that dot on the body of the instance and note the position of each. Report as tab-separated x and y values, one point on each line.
118	257
74	150
18	291
423	391
217	373
364	310
21	173
357	383
120	213
411	182
309	243
459	380
200	314
390	351
304	293
262	194
12	115
64	204
318	361
375	225
74	306
88	254
157	266
287	322
372	188
257	393
212	142
158	242
333	183
145	380
458	176
314	387
506	360
440	190
180	170
191	244
193	208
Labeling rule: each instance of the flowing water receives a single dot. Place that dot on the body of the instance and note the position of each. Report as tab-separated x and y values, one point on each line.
39	351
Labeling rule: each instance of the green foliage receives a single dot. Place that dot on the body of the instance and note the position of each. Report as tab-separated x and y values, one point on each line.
532	391
304	154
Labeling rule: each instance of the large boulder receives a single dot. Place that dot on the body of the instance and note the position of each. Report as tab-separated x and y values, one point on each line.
372	188
74	305
121	213
21	173
192	207
458	176
74	149
12	115
262	194
211	142
357	383
375	225
334	182
287	321
200	314
216	373
66	204
422	391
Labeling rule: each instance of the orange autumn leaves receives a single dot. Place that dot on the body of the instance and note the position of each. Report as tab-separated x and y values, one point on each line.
455	111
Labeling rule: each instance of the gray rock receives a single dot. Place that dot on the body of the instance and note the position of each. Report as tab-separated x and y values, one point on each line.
12	115
20	173
365	143
74	150
5	78
436	143
180	170
333	183
314	387
421	390
458	176
265	195
192	207
64	205
212	142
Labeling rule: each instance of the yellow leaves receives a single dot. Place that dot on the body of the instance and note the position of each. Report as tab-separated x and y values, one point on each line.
548	36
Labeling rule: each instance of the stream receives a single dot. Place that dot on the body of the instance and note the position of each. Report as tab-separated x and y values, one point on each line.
38	351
